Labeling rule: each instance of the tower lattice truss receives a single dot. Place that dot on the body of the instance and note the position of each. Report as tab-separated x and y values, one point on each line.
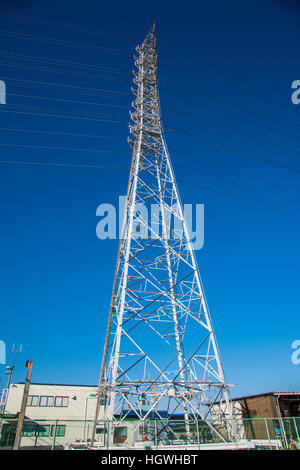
161	356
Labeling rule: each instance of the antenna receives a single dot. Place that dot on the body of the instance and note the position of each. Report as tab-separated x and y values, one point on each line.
15	352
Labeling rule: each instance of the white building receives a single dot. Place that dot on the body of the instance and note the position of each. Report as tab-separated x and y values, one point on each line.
54	401
55	414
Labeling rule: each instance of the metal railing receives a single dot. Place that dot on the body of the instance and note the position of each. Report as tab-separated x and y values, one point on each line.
264	433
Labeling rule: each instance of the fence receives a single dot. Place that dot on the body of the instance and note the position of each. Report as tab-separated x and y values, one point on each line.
267	433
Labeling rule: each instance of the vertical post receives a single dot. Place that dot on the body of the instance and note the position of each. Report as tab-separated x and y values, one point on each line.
155	433
29	365
234	432
104	433
108	435
1	427
281	422
296	429
268	434
198	437
85	418
54	435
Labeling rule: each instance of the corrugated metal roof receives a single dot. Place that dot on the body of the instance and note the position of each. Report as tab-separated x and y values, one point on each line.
57	385
267	393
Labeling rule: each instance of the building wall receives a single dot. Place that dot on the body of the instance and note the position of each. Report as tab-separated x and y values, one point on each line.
290	405
48	433
260	406
81	405
73	422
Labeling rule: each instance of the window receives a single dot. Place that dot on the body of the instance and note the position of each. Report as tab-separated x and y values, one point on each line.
43	401
120	435
33	429
42	431
50	401
46	401
28	430
60	430
33	400
99	430
61	401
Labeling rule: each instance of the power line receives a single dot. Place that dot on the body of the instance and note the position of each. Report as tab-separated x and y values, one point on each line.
269	85
115	106
12	162
245	91
74	165
183	112
72	113
100	68
125	168
60	133
83	149
63	72
68	101
71	149
293	157
206	188
228	167
78	113
60	42
62	116
239	152
87	89
108	151
67	26
230	181
289	156
229	105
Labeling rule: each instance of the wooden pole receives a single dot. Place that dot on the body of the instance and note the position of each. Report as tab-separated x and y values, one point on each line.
54	434
29	365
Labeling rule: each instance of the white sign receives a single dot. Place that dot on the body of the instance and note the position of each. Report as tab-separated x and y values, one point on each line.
4	396
2	352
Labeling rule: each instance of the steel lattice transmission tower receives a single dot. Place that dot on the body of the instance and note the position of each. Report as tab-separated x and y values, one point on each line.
160	351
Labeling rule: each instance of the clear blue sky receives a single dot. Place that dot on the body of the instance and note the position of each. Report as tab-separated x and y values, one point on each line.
225	74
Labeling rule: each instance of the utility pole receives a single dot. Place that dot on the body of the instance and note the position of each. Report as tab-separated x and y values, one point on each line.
29	365
9	371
